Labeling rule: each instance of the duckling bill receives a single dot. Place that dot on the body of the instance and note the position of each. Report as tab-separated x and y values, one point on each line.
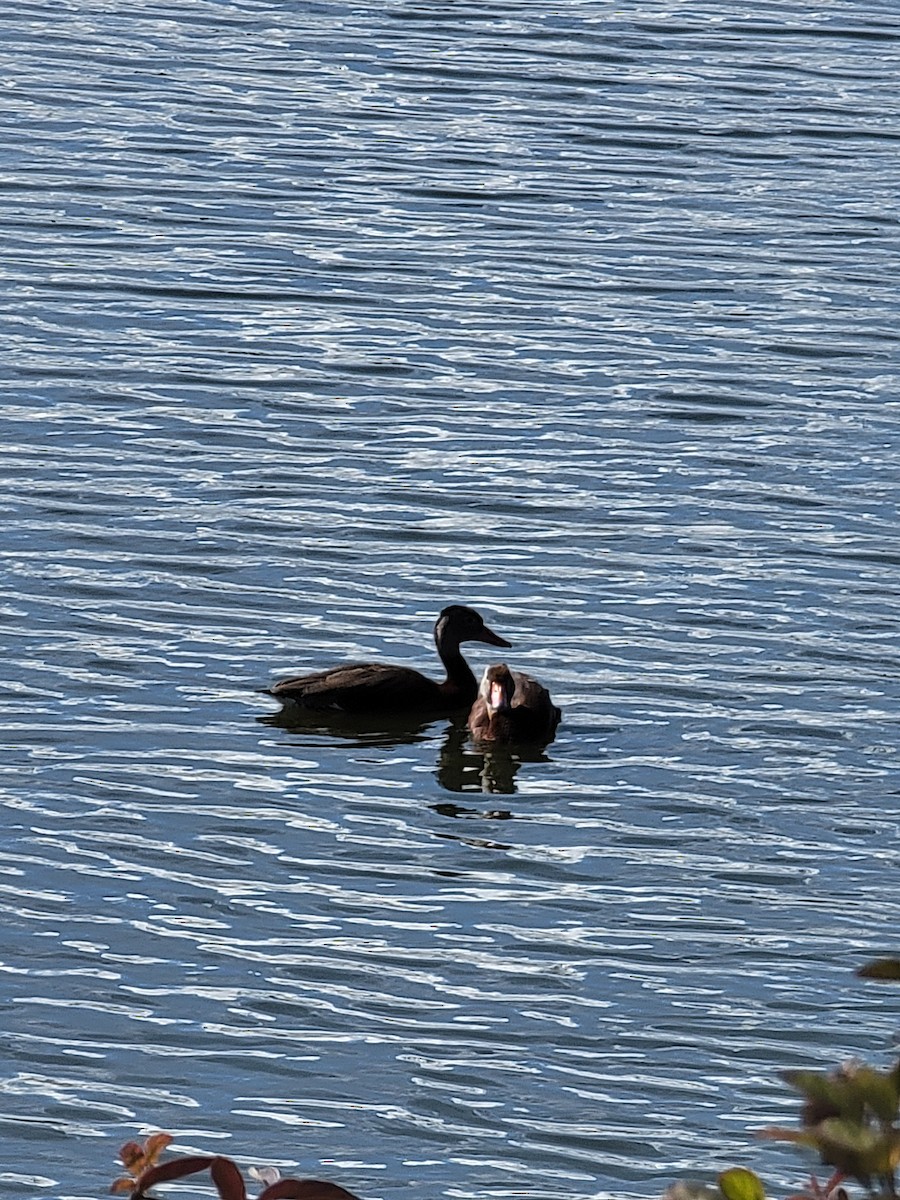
376	689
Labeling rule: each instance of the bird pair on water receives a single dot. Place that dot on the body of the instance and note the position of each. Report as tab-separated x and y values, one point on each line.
509	706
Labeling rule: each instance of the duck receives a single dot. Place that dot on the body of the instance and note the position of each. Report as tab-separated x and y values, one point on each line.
377	689
512	707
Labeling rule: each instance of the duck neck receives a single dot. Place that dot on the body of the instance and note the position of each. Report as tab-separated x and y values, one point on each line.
460	680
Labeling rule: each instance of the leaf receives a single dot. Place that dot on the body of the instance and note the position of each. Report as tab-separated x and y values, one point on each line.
305	1189
131	1153
137	1159
227	1178
156	1143
740	1184
190	1164
831	1094
884	969
823	1092
857	1150
877	1091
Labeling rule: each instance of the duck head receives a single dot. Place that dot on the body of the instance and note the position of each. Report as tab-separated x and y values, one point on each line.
497	688
459	623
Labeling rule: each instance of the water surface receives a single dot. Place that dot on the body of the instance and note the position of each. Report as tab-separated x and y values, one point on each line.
317	318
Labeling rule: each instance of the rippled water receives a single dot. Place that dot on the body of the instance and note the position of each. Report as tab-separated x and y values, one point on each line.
315	319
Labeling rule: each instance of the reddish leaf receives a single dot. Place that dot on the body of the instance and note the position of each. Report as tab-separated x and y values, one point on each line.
131	1153
189	1165
305	1189
155	1144
228	1179
137	1158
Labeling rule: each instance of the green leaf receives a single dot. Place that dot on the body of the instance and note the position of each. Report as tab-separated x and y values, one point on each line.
740	1184
877	1091
826	1095
857	1150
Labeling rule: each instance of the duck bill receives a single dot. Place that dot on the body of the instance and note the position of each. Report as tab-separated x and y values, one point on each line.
493	639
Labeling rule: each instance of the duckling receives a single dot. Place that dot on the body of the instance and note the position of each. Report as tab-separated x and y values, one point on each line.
512	707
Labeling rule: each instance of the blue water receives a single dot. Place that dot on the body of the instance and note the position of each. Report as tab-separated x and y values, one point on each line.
317	318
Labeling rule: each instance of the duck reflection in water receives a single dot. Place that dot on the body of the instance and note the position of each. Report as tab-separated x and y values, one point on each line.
486	767
460	767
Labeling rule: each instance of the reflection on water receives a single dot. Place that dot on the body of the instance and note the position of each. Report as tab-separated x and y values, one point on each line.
468	767
353	728
457	810
461	765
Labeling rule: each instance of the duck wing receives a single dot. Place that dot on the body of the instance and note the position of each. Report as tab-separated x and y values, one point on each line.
529	693
534	711
360	687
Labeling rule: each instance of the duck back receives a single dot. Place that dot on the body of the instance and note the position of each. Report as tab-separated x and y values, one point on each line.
362	688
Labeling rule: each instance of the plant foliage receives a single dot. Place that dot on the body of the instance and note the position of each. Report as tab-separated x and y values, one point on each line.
144	1171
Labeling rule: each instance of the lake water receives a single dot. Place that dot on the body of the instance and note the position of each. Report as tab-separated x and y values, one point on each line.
317	317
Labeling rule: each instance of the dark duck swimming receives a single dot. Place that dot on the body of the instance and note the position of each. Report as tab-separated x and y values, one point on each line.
374	689
512	707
